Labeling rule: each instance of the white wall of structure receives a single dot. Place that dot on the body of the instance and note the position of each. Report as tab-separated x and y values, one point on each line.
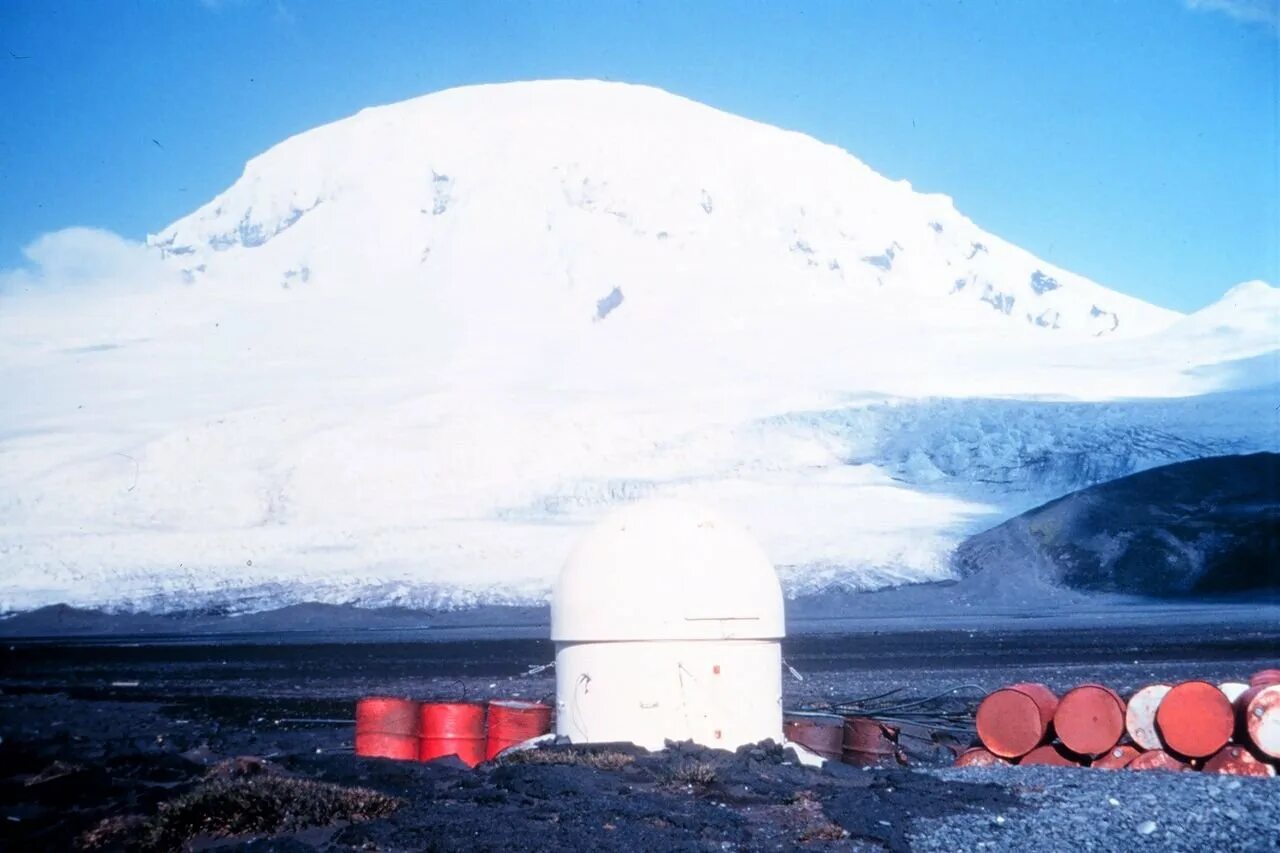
667	620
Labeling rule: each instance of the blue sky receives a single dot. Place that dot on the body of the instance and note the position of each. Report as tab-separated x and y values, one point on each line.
1132	141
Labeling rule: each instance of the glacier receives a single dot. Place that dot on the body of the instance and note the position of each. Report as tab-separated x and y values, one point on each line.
408	357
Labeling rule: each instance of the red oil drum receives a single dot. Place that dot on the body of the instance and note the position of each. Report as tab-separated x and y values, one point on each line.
821	735
1158	759
1238	761
1089	720
1117	758
979	757
452	728
512	722
1140	715
1264	677
1014	720
1049	755
869	743
1259	711
387	727
379	745
1195	719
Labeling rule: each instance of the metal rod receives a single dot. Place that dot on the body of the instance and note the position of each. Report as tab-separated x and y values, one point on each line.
933	698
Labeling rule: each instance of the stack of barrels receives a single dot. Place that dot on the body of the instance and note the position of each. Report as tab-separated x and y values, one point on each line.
1232	727
409	730
861	741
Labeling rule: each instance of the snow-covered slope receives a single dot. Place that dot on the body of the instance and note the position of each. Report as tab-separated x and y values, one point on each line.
409	356
553	196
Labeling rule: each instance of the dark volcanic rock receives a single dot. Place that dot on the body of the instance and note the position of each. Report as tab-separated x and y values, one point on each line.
217	751
1204	527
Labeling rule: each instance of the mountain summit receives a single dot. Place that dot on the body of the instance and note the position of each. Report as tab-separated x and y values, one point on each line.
577	202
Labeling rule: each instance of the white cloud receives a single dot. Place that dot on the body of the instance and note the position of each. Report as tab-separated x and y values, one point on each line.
82	258
1265	12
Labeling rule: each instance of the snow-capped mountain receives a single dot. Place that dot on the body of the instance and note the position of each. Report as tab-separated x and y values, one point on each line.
408	357
602	197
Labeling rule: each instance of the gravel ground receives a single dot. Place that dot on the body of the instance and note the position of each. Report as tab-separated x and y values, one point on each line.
1079	809
141	736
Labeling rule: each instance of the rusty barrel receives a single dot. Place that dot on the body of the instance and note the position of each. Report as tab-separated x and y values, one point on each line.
1140	715
452	728
1016	719
1117	758
387	727
1090	719
1195	720
979	757
1049	755
824	736
1264	677
512	722
1259	718
1238	761
868	743
1158	759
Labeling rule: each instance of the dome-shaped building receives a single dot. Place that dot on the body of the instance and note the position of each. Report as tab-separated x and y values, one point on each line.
667	620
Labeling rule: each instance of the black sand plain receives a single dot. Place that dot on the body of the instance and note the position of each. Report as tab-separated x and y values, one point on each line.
238	740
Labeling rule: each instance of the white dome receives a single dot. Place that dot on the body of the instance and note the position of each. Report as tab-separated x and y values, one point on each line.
666	570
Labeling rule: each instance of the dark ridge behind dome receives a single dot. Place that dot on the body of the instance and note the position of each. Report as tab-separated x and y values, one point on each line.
1200	528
